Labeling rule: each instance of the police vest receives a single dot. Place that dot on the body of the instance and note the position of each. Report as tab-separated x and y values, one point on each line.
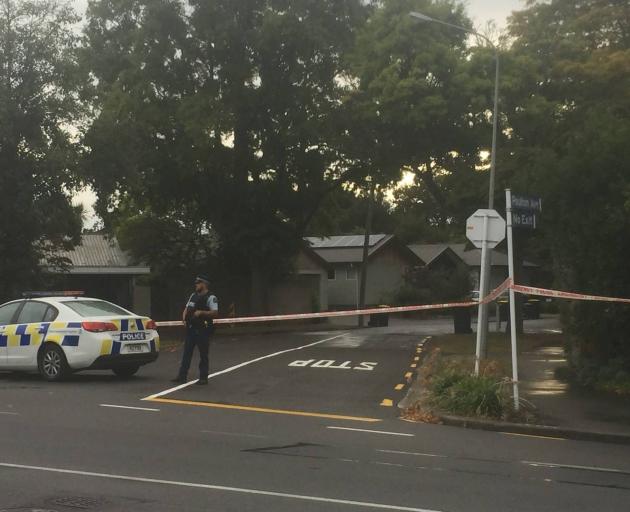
198	302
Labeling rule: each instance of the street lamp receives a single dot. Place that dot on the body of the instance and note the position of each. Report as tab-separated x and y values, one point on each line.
482	324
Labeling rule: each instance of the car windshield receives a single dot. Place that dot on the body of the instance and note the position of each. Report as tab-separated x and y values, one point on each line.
89	308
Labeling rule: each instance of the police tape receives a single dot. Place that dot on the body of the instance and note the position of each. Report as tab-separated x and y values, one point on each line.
545	292
355	312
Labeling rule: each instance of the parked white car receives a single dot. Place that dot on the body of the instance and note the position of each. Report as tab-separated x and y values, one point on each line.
60	334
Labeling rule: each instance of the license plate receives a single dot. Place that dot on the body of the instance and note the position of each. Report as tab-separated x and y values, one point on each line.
136	347
132	336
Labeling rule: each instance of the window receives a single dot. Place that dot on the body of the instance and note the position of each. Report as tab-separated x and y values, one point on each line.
51	314
7	312
331	274
32	312
88	308
351	273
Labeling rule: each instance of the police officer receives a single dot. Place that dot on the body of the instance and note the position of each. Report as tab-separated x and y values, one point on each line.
202	307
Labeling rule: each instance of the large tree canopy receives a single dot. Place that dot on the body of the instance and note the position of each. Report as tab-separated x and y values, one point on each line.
568	105
219	117
37	156
420	104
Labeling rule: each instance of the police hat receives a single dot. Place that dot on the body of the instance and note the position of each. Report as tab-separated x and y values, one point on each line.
202	278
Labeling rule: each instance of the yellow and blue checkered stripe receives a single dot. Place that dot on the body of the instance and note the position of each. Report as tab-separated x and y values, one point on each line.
26	335
29	335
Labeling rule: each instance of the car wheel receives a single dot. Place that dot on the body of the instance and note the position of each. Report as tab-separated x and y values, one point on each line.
52	363
125	371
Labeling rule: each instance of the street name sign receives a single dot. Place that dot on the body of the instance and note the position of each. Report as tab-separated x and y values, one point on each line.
524	210
527	203
524	220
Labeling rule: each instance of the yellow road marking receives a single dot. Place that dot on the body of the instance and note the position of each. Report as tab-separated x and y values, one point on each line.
399	387
414	365
263	409
416	358
387	402
531	435
408	375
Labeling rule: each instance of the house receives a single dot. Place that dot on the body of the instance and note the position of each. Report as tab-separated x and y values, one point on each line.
306	289
388	262
100	268
471	257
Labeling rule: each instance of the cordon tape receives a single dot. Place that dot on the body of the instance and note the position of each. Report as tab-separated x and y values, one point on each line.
506	285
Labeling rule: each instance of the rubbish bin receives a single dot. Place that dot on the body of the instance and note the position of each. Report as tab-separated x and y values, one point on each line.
461	321
379	319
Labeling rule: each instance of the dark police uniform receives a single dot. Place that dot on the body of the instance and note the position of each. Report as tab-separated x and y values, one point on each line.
198	331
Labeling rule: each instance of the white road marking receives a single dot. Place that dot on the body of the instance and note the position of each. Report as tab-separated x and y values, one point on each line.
388	464
235	434
236	367
416	454
128	407
10	413
549	438
571	466
240	490
372	431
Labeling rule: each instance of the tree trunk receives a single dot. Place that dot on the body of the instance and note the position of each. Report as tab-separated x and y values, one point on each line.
366	246
258	289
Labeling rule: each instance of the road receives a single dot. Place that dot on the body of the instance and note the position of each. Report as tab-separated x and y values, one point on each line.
294	421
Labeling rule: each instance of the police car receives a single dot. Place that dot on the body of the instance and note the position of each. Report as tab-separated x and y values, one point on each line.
57	333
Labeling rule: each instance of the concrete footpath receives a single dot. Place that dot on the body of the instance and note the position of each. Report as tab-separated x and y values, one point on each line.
561	406
561	409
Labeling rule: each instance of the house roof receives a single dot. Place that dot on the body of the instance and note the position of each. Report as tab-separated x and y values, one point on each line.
99	254
349	248
346	249
428	253
343	241
471	257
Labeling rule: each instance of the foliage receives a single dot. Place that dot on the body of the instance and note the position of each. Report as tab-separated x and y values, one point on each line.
426	285
419	104
456	391
567	102
37	154
225	113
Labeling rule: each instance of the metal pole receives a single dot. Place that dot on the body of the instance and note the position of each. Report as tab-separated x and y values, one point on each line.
482	324
482	294
487	261
508	212
495	128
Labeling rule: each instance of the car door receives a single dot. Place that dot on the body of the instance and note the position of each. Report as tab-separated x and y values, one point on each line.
27	336
8	312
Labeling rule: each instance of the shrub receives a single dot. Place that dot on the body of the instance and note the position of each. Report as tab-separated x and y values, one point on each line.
457	392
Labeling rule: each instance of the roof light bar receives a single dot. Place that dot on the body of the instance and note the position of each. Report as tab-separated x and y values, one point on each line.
63	293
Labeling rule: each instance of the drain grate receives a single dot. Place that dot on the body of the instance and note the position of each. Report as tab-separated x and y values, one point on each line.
77	502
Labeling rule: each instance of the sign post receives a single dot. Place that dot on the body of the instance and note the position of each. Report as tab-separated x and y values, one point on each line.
485	229
508	214
521	213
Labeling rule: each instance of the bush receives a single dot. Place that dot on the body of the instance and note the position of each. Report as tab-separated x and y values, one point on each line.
457	392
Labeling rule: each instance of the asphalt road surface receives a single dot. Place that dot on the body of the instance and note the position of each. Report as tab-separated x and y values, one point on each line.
301	421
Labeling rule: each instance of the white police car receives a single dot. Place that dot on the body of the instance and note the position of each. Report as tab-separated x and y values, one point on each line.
59	333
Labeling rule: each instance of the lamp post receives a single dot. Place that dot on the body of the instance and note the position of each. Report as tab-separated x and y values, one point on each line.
486	255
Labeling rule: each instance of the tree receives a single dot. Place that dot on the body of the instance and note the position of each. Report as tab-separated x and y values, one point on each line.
567	102
37	156
418	104
222	115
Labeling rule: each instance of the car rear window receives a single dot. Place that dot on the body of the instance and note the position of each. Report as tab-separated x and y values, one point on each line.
89	308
